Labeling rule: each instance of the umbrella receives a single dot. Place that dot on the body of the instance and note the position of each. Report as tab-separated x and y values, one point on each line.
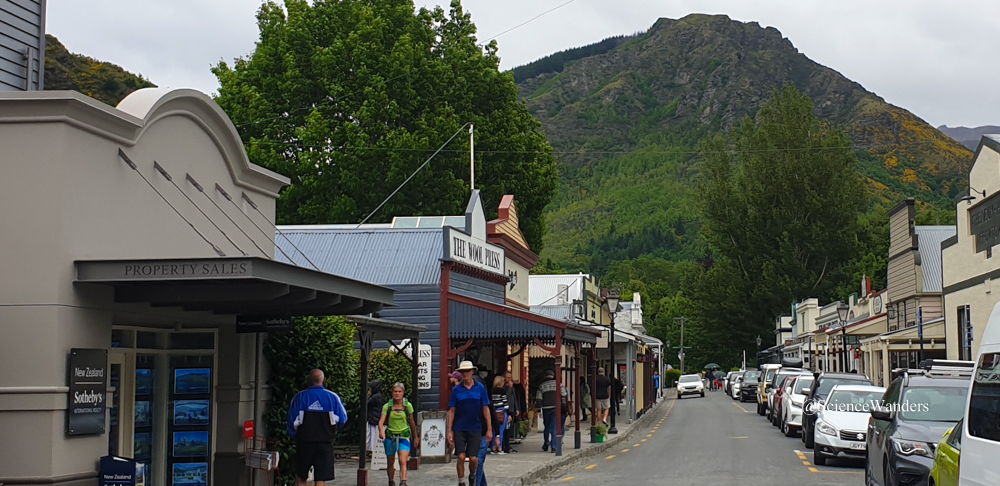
712	366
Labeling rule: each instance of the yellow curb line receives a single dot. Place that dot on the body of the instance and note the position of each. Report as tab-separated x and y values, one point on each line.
812	469
568	479
590	467
625	450
610	457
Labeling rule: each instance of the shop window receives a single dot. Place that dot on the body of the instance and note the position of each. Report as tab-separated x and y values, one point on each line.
984	402
145	340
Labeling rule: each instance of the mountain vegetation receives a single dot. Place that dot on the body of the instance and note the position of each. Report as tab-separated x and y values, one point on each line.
629	124
969	136
100	80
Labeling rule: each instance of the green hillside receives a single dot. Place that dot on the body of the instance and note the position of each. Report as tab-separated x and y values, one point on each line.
625	117
100	80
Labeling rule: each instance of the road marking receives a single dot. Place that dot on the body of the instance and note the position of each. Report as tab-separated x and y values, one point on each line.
741	407
636	445
590	467
610	457
650	435
626	450
740	437
806	463
812	469
643	440
567	479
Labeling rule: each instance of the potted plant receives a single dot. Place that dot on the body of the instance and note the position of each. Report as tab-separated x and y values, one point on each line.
602	430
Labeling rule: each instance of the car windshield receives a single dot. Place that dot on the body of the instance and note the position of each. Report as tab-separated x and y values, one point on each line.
770	375
690	378
827	384
751	376
853	401
802	383
939	404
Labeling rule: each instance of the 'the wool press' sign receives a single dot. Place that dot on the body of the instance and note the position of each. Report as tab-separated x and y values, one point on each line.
462	248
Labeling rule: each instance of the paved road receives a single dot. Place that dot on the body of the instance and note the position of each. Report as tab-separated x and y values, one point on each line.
711	440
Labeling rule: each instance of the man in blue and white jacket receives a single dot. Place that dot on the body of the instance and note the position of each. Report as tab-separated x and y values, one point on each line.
314	416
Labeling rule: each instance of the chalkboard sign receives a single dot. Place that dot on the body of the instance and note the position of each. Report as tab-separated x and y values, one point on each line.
88	371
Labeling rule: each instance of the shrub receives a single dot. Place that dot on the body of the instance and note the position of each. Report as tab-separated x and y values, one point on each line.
670	377
391	367
602	429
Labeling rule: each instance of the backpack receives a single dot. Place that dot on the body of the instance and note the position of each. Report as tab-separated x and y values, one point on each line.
387	408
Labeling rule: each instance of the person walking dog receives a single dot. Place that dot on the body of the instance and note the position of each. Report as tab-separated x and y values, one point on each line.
395	428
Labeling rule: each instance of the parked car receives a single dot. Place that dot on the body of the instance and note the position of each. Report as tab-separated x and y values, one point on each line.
841	424
793	367
748	388
981	427
734	388
916	410
690	385
729	382
767	373
791	418
944	472
817	394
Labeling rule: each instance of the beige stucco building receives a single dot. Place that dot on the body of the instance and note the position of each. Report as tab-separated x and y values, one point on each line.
970	265
137	234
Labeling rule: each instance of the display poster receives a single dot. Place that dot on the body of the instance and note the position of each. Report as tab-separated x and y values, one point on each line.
190	422
88	374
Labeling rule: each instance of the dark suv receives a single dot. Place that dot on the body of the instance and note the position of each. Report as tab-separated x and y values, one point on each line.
748	390
821	387
905	428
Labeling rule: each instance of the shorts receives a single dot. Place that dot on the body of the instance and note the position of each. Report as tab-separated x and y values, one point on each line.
603	404
467	443
390	445
315	455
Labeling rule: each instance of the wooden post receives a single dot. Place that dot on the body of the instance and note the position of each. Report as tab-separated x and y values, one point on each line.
557	354
576	396
366	338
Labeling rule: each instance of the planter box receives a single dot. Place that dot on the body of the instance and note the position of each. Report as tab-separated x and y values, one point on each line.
600	439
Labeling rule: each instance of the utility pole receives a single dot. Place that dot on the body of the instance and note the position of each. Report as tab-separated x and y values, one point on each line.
682	320
472	159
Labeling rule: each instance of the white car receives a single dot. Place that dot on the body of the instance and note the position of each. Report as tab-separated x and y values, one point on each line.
842	423
791	410
981	427
737	384
690	385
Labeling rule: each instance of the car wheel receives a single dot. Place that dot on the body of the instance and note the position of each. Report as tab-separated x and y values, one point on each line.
787	429
810	439
818	458
760	410
703	394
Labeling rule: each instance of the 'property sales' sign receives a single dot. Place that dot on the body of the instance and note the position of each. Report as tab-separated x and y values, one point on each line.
462	248
88	373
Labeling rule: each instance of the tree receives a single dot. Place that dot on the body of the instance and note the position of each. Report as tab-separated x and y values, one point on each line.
348	98
781	201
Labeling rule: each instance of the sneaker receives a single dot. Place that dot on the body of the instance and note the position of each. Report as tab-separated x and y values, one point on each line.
402	482
472	480
501	453
392	483
545	448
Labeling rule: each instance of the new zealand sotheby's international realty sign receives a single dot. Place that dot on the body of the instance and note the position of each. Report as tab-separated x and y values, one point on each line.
88	374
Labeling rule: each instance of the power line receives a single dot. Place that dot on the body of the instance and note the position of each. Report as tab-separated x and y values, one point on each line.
522	24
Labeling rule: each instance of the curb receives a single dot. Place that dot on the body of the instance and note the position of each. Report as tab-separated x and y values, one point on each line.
546	470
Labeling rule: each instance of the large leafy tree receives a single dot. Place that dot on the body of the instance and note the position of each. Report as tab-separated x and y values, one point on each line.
349	97
781	204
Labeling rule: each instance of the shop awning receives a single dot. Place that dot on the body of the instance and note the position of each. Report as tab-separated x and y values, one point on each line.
472	319
234	285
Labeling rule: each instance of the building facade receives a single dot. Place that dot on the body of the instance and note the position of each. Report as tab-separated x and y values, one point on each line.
970	265
22	45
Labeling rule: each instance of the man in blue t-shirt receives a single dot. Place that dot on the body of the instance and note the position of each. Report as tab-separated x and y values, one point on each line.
468	417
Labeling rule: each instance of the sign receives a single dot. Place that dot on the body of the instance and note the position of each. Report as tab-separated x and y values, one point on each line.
88	377
248	429
379	461
263	324
120	471
433	435
423	364
985	219
462	248
877	304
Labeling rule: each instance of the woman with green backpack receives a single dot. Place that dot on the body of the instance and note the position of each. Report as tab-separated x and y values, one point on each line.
396	427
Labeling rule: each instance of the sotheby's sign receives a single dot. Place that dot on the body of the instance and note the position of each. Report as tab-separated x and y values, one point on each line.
462	248
88	375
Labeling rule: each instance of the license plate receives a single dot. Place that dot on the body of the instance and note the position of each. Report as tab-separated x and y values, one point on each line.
859	446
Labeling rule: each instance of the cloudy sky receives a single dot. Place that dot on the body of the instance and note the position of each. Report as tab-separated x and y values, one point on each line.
934	58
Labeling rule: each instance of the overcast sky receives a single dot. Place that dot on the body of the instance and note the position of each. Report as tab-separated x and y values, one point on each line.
934	58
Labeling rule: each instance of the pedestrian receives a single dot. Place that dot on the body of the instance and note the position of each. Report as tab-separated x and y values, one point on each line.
656	382
375	403
585	398
546	397
498	397
617	387
469	420
314	416
513	411
395	427
602	395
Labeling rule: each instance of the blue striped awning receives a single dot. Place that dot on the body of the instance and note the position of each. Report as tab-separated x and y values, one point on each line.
467	321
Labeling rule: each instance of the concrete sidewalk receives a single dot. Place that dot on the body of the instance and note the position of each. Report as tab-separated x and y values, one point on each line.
522	468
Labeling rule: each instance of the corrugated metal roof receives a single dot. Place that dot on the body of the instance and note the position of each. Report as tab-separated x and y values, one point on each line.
381	256
561	312
544	289
470	322
929	240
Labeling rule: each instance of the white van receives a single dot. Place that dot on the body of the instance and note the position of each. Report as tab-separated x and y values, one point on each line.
980	449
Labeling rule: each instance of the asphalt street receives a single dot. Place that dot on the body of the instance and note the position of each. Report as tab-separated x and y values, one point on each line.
710	440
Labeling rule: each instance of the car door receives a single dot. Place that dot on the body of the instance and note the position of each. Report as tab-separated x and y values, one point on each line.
879	430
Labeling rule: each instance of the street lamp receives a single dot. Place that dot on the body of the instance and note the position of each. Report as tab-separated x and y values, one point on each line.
844	311
757	356
612	300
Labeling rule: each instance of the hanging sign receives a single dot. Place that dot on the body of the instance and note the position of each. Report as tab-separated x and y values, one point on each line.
985	219
88	372
423	364
462	248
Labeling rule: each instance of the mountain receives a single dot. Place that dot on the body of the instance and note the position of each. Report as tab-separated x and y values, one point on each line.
103	81
969	136
625	117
